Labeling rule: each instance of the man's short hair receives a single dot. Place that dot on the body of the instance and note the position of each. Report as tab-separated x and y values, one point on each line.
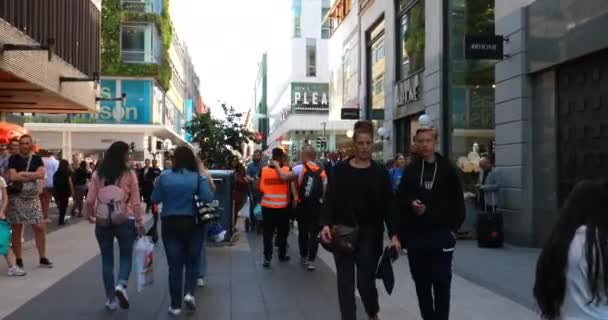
277	153
258	152
426	129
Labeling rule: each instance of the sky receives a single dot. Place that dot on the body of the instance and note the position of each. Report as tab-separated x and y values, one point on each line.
226	40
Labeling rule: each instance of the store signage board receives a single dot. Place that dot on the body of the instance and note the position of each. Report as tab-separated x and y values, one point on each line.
310	97
349	114
408	90
484	47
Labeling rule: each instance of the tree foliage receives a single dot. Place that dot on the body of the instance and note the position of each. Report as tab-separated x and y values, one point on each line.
217	137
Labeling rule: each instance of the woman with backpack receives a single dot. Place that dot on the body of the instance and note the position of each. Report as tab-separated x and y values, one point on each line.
182	236
114	205
359	202
63	188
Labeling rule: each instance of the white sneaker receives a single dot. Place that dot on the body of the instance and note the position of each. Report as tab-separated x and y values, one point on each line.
200	282
112	305
175	312
121	294
15	271
189	302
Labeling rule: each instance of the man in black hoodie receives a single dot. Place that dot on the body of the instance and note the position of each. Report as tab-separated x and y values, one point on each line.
432	205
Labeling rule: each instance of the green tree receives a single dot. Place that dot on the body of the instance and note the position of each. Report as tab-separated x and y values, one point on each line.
217	137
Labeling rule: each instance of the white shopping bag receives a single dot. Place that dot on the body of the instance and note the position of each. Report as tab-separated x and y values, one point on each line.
244	212
144	262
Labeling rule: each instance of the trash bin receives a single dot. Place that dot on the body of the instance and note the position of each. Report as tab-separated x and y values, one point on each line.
223	180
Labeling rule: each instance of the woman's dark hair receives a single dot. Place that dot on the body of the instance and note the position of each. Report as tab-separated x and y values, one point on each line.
363	127
240	168
64	166
114	164
83	165
586	206
184	158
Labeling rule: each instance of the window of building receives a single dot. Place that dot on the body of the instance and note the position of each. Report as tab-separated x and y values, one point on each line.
411	37
376	68
140	43
471	86
311	57
297	18
325	27
143	6
338	13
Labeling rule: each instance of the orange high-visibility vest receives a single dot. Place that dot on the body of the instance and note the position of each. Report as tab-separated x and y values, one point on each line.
276	191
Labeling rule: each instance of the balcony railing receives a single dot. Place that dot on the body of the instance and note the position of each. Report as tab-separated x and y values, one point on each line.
74	25
142	6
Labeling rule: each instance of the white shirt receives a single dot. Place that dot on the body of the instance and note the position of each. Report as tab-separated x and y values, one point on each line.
578	294
299	171
50	167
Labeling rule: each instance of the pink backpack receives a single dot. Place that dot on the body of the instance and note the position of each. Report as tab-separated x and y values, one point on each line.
111	204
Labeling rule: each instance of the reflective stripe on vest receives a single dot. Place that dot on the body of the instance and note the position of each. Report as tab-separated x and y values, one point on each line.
275	201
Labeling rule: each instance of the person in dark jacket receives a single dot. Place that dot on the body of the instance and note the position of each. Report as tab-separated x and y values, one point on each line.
360	196
431	202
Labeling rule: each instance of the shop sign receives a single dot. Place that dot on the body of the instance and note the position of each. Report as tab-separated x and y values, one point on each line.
349	114
135	110
310	97
408	90
483	47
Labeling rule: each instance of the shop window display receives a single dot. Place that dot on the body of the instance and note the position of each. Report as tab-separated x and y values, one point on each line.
471	91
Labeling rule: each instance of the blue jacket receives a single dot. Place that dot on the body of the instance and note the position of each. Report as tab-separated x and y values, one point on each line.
175	190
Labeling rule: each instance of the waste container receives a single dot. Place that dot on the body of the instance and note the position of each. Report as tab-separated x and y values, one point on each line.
223	180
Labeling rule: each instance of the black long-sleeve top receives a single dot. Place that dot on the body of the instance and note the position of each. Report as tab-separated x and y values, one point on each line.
361	197
444	201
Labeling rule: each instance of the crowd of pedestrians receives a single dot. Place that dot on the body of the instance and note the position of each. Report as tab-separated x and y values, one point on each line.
355	207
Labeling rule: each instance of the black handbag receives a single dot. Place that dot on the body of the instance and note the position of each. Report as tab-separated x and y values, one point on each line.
203	212
344	239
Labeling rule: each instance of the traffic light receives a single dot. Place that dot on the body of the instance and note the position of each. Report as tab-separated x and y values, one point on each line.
132	147
321	143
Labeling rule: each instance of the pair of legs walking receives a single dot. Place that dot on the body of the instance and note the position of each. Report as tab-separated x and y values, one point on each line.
183	243
308	232
275	221
126	235
63	201
362	267
432	273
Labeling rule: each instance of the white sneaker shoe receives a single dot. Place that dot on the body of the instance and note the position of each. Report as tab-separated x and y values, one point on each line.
121	295
189	302
175	312
15	271
200	282
112	305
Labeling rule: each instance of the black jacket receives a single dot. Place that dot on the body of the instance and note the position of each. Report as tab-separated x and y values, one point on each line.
338	208
445	202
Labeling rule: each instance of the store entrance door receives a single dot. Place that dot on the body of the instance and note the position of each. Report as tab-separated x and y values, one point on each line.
582	105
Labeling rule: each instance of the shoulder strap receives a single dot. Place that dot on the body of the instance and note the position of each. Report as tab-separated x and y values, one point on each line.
29	161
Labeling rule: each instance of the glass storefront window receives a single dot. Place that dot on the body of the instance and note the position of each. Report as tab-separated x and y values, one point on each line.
376	59
411	34
471	90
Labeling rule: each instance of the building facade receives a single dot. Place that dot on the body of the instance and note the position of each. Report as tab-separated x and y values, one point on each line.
551	111
49	64
298	108
148	88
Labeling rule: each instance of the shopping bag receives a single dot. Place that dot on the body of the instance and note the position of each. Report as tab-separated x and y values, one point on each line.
257	212
5	237
244	212
144	262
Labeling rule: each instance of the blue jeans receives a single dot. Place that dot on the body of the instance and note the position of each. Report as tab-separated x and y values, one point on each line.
183	250
126	235
202	273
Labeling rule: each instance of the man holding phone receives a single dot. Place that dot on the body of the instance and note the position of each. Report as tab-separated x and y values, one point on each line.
431	202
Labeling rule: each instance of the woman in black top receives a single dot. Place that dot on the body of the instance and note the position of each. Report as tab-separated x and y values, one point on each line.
63	188
80	178
360	195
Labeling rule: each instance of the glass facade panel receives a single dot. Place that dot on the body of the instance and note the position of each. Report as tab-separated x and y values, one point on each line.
470	90
311	57
139	43
411	34
376	62
297	18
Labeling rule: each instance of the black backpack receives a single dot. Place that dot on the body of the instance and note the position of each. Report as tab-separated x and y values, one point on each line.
311	186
